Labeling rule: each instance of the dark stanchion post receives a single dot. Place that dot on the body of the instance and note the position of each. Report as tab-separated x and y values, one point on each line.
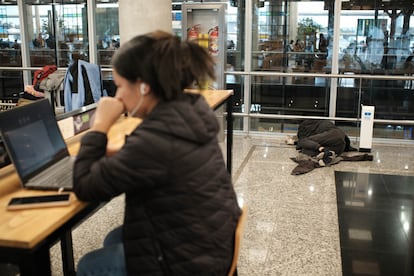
52	101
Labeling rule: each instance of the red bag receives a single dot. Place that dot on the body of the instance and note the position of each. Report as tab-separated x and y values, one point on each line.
41	74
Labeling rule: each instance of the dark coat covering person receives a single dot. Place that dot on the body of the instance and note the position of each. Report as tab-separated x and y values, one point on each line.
321	143
181	209
315	136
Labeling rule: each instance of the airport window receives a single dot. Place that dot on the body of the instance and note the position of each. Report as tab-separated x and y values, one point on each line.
374	38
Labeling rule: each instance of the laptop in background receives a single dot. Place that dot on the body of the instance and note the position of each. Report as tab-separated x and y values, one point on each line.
36	147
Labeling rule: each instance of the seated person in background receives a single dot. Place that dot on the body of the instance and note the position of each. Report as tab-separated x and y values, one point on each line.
408	64
38	42
40	77
181	210
323	47
322	138
16	45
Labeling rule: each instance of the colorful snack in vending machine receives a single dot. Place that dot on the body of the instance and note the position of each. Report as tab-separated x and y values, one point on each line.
213	46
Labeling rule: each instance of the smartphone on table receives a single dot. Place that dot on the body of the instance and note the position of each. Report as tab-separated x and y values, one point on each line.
26	202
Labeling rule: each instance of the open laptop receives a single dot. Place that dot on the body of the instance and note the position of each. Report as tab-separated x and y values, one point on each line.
36	147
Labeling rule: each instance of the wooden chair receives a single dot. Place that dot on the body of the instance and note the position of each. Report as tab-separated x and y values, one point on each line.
237	239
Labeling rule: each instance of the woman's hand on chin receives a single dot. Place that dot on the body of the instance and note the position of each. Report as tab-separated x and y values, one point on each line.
107	113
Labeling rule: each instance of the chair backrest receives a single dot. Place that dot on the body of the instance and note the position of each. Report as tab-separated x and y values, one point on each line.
237	239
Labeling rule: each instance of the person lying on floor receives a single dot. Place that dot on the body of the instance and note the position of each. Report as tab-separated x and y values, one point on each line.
321	143
322	139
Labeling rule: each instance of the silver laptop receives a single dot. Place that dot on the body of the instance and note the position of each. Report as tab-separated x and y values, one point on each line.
36	147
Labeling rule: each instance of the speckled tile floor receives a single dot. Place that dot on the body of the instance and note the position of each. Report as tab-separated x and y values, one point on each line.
292	223
292	226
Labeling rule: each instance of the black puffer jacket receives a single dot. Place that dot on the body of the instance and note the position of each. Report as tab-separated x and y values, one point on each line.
181	210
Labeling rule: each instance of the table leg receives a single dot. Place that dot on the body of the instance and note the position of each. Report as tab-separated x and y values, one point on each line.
68	262
36	263
229	107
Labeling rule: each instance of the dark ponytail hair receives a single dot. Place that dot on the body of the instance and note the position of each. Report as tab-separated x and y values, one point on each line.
167	64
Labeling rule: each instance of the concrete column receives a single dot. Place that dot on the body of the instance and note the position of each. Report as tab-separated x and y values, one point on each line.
293	20
142	16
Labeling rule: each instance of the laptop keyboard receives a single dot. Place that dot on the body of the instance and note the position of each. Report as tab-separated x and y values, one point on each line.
59	175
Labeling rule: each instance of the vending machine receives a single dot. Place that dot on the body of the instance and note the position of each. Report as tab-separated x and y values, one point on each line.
205	23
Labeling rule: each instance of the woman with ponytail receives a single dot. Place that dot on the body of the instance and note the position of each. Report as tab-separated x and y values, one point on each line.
181	210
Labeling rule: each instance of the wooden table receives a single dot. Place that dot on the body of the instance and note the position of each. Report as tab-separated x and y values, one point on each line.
27	235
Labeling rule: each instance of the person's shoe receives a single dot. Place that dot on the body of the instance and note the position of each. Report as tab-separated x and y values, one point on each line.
328	156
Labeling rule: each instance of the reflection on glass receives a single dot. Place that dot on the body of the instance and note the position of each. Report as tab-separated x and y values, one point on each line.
376	39
360	234
235	36
10	55
10	40
291	36
58	33
107	31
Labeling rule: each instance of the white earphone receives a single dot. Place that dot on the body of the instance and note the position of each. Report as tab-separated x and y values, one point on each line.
142	89
140	101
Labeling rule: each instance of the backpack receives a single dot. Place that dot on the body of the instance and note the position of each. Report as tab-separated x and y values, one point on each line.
42	74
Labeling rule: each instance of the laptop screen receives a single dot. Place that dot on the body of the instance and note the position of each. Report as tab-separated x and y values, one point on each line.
32	138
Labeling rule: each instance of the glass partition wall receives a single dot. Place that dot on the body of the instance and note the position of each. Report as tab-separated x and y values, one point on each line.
36	33
10	53
57	32
324	59
107	32
286	60
377	39
289	40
